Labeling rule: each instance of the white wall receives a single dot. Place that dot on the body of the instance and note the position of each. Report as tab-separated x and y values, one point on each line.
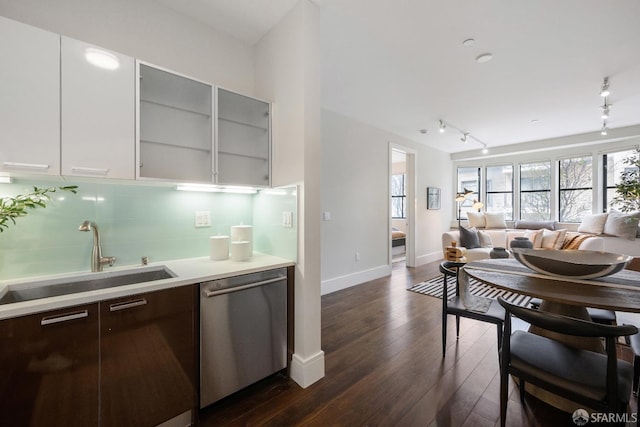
146	30
355	189
288	74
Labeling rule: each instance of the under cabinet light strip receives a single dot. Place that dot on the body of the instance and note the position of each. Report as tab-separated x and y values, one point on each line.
215	189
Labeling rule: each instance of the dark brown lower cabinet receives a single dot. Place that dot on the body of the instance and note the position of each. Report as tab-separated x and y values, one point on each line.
49	368
147	358
124	362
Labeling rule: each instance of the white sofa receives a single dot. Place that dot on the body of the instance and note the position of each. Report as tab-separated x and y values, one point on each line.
501	237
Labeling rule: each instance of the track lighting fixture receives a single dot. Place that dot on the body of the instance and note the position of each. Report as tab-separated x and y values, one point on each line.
465	135
605	88
605	106
604	129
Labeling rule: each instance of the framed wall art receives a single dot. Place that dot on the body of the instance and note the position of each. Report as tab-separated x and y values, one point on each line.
433	198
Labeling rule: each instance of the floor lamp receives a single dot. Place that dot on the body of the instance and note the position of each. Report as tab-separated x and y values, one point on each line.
460	198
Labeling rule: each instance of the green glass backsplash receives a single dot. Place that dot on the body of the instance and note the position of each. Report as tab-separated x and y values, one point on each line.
134	221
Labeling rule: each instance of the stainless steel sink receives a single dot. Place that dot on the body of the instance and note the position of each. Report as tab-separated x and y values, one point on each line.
84	283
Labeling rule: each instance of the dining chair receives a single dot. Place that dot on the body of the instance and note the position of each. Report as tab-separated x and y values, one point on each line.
598	315
453	305
598	381
634	342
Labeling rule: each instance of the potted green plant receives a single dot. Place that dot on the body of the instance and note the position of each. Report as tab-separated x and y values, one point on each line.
20	205
628	190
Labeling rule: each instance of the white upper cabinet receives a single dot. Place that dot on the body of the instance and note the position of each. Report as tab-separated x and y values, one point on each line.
98	111
29	99
243	140
175	126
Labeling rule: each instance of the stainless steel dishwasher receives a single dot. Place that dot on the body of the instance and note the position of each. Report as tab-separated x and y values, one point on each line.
243	332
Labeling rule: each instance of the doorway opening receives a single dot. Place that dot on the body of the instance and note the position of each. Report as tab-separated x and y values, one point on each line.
402	205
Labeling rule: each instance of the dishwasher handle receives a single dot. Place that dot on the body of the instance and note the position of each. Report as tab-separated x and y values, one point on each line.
209	294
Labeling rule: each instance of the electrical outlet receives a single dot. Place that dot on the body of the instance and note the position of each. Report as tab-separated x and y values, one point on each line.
326	216
203	219
357	256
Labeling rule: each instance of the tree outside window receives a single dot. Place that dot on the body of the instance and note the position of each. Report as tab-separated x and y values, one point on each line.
535	191
576	188
398	196
499	185
614	168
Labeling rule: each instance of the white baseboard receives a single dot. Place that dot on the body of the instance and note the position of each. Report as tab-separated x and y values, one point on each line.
307	371
427	258
348	280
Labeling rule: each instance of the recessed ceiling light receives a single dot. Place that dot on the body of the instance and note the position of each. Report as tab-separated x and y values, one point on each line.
468	42
423	131
534	121
485	57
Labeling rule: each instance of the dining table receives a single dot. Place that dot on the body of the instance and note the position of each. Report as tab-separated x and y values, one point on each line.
562	295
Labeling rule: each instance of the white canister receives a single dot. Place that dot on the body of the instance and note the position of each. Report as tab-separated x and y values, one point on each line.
219	247
242	233
241	251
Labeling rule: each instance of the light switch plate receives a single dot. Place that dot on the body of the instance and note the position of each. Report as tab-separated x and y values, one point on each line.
203	219
287	219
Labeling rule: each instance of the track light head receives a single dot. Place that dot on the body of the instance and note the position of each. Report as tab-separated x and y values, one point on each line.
605	88
443	126
604	129
464	137
605	111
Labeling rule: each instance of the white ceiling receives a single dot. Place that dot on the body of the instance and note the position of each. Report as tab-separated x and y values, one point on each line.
401	65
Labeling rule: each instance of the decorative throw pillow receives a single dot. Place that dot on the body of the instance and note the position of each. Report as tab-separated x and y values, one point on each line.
469	238
593	224
484	239
476	219
494	220
534	225
553	239
622	225
535	236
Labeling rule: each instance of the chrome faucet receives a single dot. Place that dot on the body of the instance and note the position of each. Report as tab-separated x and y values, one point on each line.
97	260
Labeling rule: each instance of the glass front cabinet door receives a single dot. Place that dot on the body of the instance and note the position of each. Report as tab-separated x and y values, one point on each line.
175	126
243	140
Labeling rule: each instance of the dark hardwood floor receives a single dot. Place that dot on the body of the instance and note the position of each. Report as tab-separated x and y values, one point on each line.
384	367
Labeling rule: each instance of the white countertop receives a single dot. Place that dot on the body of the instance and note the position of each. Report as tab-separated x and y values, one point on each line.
188	272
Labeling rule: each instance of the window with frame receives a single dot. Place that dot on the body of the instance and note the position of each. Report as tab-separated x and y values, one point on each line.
469	179
575	191
398	196
535	191
613	168
499	190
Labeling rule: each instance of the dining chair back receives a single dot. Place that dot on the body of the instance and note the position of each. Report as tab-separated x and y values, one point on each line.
598	381
452	304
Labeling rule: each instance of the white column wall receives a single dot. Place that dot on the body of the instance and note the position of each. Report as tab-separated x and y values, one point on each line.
287	73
